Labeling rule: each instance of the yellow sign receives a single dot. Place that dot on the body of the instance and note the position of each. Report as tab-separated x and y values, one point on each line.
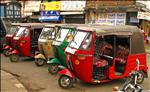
47	6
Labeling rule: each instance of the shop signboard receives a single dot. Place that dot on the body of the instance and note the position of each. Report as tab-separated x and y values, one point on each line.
73	5
32	6
143	15
50	6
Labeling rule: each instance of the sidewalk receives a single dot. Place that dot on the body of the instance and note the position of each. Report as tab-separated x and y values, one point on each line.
10	84
148	49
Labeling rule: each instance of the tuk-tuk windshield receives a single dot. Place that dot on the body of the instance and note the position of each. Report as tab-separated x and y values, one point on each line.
23	31
13	30
48	33
82	40
62	34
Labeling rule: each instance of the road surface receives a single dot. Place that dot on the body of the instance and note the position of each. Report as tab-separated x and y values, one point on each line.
37	79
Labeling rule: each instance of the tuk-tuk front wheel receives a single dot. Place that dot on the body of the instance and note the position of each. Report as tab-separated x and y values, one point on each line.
140	77
53	69
65	82
14	58
6	53
39	62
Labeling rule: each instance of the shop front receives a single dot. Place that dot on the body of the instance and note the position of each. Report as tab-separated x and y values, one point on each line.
73	11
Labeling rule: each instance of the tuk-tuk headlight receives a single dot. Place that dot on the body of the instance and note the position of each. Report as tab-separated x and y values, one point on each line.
11	48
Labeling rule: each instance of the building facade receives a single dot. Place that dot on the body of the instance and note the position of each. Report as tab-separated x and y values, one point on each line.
116	12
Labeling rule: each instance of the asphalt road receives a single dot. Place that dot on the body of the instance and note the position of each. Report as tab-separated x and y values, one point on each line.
37	79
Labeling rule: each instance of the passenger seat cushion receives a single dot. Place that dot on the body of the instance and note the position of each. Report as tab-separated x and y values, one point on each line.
101	63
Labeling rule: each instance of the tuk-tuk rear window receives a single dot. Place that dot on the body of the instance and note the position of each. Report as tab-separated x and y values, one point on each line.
23	31
13	30
62	34
48	33
65	34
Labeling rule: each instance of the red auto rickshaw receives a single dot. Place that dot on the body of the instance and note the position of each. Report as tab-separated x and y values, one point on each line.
9	38
26	40
103	53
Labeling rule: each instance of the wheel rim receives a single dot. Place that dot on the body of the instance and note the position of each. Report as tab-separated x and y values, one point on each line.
140	77
65	81
7	53
40	61
14	58
54	68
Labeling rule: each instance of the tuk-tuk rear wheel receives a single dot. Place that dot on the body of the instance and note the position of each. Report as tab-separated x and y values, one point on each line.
53	69
14	58
65	82
6	53
140	77
39	62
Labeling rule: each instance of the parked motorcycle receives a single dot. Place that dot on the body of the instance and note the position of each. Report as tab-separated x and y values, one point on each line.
132	84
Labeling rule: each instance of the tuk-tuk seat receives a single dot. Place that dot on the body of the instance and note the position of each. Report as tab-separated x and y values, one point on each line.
101	63
122	54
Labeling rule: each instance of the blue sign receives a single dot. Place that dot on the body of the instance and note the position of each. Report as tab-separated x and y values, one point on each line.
49	13
50	18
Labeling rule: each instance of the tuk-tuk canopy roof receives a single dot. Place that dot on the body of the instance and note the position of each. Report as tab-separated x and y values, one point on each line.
34	25
110	30
53	25
74	25
16	24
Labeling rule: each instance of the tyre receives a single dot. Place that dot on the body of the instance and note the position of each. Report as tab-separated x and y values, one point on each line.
6	53
53	69
140	77
40	62
14	58
65	82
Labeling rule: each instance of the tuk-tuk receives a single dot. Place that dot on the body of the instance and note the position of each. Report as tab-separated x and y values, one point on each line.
26	40
9	38
47	35
64	36
103	53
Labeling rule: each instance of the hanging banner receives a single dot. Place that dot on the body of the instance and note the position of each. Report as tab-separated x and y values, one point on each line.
112	18
73	5
47	6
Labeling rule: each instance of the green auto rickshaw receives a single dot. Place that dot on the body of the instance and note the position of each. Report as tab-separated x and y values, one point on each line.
64	36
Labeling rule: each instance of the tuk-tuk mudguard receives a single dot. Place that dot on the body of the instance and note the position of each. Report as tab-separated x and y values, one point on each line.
15	52
6	47
54	61
66	72
39	56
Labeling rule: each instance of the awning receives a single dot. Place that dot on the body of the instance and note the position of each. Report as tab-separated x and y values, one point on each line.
50	18
71	13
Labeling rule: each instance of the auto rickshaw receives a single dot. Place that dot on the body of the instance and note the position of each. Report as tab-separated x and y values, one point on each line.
26	40
103	53
47	35
9	38
64	36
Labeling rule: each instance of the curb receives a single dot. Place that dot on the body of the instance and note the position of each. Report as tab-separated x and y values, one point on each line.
12	82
